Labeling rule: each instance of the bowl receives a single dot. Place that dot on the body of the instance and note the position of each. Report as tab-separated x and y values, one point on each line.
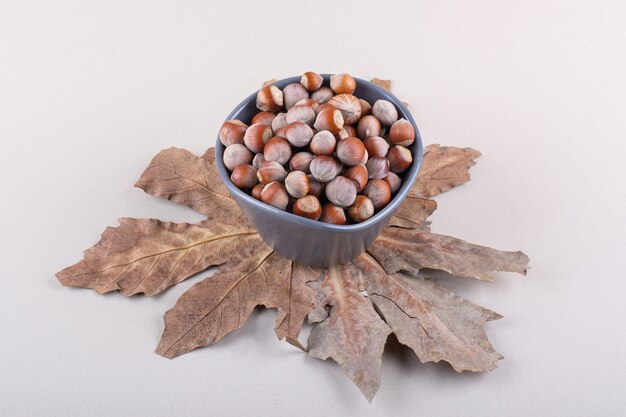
311	242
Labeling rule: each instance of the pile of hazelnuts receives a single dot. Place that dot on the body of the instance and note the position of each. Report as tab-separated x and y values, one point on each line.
318	151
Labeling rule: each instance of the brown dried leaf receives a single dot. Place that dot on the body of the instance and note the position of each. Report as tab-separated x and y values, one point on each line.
411	250
352	334
413	212
147	256
221	304
180	176
443	168
431	320
385	84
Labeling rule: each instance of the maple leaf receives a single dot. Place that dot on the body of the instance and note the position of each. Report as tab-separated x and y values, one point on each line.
349	326
222	303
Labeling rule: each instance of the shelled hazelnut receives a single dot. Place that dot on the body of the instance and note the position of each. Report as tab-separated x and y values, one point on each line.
318	151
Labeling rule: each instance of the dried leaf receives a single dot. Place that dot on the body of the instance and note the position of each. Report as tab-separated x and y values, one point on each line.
443	168
413	212
184	178
353	334
431	320
268	82
220	304
384	84
411	250
147	256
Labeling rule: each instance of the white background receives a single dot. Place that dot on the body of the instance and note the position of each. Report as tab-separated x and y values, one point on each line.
91	91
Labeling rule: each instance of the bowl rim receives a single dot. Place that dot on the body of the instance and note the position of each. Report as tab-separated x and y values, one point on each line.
385	213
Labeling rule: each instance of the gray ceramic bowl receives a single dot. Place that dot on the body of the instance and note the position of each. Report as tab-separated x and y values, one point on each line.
312	242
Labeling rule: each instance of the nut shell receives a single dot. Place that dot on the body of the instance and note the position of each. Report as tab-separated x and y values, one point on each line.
301	161
322	95
350	151
324	168
236	154
308	206
376	146
402	133
358	174
271	171
269	98
256	191
279	121
275	195
300	113
366	107
377	167
379	192
315	187
342	83
368	126
297	184
349	107
244	176
323	143
293	93
264	117
333	214
257	136
232	131
394	181
311	80
385	112
362	209
298	134
341	191
400	159
329	118
277	149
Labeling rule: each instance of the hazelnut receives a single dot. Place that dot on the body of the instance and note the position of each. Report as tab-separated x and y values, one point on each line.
368	126
299	134
349	107
350	151
346	132
232	131
377	167
322	95
258	160
358	174
323	143
277	149
341	191
236	154
366	107
293	93
324	168
244	176
315	187
301	161
361	210
299	113
279	121
400	159
264	117
329	119
311	80
310	103
297	184
269	98
308	206
257	136
342	84
379	192
394	181
333	214
376	146
256	191
280	132
385	112
402	133
275	195
271	171
366	156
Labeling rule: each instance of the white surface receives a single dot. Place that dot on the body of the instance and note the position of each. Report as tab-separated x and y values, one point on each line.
91	91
